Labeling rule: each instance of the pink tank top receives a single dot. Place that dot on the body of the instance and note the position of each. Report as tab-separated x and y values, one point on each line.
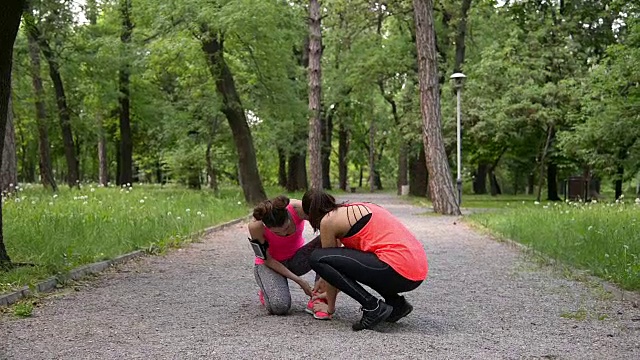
284	247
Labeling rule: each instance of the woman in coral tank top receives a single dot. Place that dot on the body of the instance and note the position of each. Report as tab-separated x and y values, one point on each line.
378	251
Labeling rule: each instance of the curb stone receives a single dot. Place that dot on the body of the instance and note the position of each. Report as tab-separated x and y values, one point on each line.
616	291
94	268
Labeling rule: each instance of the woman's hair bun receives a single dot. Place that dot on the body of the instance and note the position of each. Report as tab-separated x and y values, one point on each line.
280	202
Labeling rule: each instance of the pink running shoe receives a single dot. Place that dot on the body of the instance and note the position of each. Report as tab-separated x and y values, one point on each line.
261	296
319	315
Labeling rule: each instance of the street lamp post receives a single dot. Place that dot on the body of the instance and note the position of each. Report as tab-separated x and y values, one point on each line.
458	80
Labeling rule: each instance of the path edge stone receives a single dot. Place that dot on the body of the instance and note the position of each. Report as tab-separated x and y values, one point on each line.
53	282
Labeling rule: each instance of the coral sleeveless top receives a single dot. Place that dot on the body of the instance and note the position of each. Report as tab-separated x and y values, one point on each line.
284	247
392	242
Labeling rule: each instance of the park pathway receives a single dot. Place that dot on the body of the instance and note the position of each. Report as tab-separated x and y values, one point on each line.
483	300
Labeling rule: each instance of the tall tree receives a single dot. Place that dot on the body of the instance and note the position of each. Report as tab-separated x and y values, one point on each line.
103	164
213	47
46	168
440	183
9	171
126	139
10	14
64	115
315	94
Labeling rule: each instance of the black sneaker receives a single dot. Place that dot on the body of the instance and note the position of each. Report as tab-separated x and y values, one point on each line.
400	310
371	318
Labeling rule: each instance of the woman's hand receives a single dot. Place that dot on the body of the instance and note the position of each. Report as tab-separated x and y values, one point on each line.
305	287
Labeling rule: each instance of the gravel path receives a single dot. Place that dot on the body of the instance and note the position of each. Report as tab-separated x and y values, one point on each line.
482	300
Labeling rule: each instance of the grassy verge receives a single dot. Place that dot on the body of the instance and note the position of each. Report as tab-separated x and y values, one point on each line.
58	232
485	201
601	238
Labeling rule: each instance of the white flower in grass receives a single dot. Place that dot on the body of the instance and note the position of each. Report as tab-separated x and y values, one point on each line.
55	196
169	213
188	210
199	213
536	203
33	202
93	189
128	184
85	203
141	201
51	203
594	201
239	202
178	218
590	227
638	201
17	200
545	207
606	255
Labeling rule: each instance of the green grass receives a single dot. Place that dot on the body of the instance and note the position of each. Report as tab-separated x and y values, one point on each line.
58	232
485	201
603	238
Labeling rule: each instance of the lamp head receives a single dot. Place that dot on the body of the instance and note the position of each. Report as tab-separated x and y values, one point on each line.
458	79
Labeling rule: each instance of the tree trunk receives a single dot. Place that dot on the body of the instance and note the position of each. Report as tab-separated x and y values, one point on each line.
282	167
61	102
211	173
126	140
618	182
9	169
372	156
480	179
46	168
103	163
315	94
441	187
402	167
343	150
418	175
552	182
543	156
495	186
327	132
460	36
531	181
9	22
297	175
212	45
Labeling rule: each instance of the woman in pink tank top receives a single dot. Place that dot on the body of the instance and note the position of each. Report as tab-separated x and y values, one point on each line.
279	223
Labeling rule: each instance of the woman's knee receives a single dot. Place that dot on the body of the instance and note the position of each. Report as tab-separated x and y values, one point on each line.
314	259
278	306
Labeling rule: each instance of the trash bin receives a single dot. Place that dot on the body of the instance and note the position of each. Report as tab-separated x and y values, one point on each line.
576	188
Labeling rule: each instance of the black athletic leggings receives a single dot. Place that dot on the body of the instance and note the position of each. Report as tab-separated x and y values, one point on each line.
345	268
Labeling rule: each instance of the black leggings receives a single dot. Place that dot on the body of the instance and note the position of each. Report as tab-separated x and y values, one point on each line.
346	268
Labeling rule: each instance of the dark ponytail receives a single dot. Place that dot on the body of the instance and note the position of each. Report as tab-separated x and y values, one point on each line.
273	213
316	204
